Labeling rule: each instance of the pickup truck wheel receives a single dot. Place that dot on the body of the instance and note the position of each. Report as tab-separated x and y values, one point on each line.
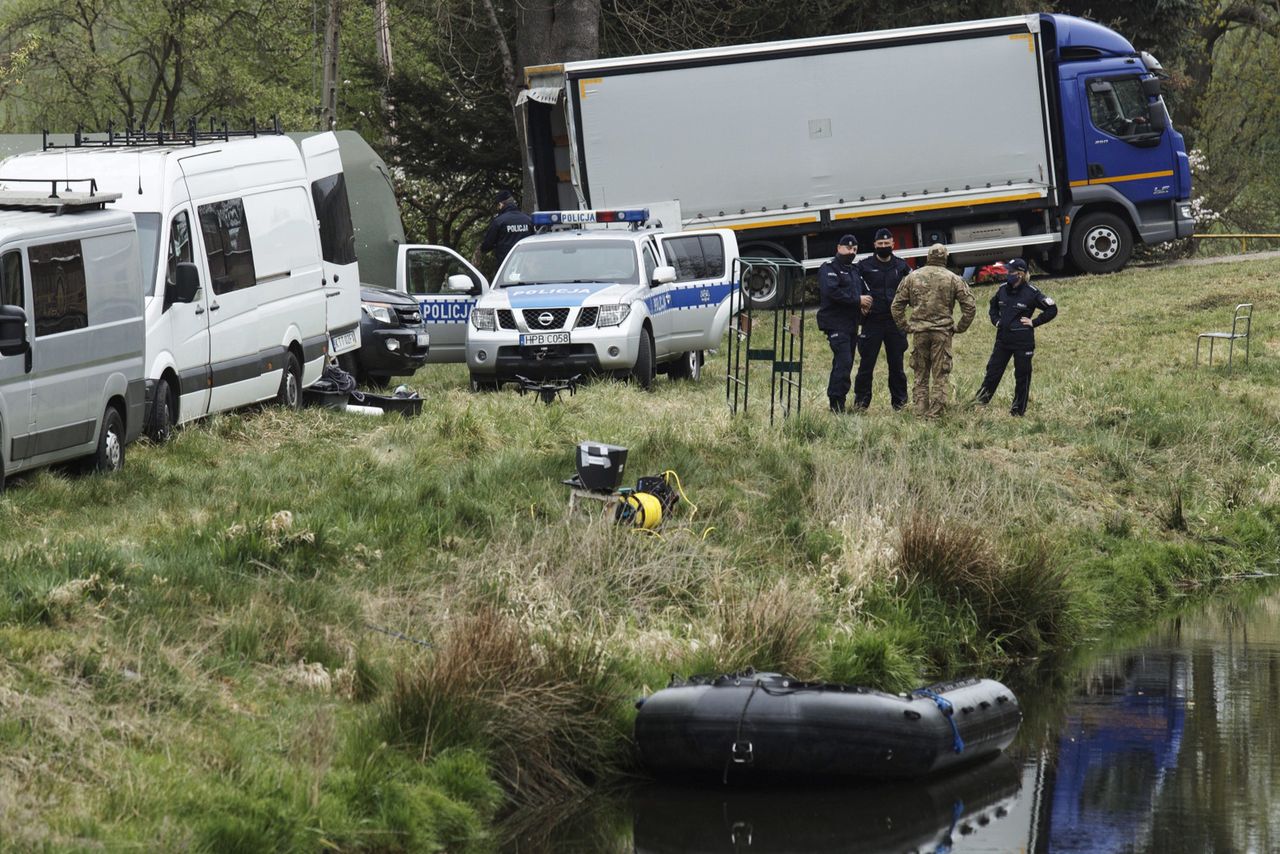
110	453
349	363
1101	243
290	393
643	371
688	366
377	381
163	415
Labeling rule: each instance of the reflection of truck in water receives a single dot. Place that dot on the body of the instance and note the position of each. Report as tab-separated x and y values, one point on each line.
1040	135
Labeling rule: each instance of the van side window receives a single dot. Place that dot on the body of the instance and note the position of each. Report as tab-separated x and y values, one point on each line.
337	234
227	243
60	301
179	247
11	291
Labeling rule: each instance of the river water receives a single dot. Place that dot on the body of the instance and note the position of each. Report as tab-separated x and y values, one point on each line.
1169	744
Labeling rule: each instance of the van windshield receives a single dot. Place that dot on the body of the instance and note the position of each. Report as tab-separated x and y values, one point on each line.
574	260
149	249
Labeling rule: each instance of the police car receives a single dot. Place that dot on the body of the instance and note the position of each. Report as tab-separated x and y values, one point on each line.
597	293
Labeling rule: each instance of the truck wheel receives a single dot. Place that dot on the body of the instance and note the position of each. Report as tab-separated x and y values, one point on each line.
163	415
643	371
687	366
762	283
1101	243
290	393
110	453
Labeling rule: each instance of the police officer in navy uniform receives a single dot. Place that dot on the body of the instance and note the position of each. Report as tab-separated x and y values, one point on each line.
1012	309
842	298
509	227
881	273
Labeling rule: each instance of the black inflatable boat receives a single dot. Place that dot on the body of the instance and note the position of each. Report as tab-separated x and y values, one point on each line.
752	726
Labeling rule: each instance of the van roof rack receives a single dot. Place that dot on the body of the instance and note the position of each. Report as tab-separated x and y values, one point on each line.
65	202
162	136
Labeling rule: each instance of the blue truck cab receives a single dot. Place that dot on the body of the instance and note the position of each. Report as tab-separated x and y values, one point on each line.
1123	168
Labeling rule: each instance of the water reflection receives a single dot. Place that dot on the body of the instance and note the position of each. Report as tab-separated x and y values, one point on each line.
1170	745
870	818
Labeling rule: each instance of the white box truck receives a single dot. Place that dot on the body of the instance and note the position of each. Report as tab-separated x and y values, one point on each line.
1042	135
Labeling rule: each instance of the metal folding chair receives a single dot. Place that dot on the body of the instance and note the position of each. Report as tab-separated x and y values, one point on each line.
1243	317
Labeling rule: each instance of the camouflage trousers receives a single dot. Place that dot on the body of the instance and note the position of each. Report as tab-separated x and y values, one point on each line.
931	364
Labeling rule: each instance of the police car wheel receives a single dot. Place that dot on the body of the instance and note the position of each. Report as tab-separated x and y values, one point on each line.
687	366
643	371
1101	243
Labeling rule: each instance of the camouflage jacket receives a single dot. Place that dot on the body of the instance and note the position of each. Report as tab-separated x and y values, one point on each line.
932	292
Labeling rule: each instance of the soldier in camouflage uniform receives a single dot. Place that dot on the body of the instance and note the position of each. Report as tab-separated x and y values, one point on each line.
932	292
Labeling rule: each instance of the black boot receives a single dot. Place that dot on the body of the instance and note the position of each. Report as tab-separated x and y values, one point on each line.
837	404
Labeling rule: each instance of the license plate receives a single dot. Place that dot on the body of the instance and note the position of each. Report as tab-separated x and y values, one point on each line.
424	339
343	342
542	339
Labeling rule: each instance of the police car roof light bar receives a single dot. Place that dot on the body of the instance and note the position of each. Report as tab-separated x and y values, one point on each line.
635	217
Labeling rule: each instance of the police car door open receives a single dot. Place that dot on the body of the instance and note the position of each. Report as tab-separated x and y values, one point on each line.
704	281
423	272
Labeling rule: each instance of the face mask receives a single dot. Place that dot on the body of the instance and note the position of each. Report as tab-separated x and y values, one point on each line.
883	254
846	260
1013	280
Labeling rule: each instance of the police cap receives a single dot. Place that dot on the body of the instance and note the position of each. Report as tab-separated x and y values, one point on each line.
848	240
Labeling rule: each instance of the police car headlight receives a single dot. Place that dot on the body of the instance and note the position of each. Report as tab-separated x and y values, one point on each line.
612	315
484	319
379	311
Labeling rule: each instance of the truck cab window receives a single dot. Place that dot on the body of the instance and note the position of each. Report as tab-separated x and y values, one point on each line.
1119	107
11	291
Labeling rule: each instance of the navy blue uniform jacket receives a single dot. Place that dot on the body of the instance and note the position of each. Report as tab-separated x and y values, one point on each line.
840	293
1010	305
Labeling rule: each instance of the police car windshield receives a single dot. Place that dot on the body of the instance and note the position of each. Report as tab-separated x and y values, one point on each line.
576	260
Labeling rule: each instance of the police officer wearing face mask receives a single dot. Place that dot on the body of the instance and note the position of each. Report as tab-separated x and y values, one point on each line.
1011	313
841	300
881	273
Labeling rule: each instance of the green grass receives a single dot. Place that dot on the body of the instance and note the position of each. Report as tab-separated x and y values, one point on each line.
183	665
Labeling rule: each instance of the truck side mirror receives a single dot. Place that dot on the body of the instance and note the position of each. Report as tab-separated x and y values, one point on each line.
1159	118
664	275
1151	87
13	330
460	283
186	283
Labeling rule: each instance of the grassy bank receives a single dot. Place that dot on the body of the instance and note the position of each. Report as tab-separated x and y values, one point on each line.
182	664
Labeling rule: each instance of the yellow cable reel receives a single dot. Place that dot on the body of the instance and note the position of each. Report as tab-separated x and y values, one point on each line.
640	509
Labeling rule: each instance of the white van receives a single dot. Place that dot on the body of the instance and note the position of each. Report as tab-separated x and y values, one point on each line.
245	290
71	331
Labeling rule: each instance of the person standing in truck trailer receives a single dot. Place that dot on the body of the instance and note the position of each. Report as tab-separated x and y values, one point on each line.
932	294
506	229
1011	313
841	303
881	274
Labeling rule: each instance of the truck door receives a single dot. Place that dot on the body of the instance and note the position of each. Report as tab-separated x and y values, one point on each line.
1123	139
188	322
704	272
337	241
423	272
16	413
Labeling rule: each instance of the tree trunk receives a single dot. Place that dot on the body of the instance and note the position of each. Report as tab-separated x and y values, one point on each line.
329	86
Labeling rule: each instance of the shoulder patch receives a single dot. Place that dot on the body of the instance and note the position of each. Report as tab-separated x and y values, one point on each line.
1048	301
